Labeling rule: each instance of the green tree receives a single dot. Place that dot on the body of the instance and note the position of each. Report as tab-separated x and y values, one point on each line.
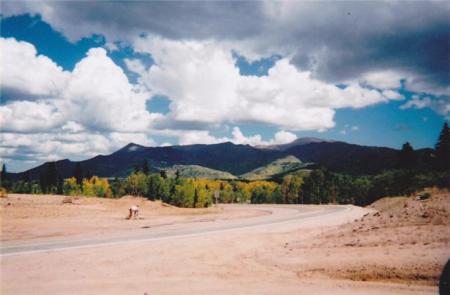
291	189
78	173
50	179
184	194
261	194
163	174
158	188
406	157
59	185
136	184
195	198
137	168
71	187
313	187
361	190
145	168
26	177
443	149
204	198
3	175
277	196
117	187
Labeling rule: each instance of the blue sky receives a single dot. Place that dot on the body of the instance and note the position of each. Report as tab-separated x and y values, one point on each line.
417	117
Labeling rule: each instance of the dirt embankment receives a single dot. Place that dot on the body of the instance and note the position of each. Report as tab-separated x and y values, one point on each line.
404	240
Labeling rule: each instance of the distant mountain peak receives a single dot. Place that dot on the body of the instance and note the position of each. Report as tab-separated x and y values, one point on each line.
131	147
306	140
296	142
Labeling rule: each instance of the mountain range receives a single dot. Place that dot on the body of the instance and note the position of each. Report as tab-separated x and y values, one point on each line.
227	160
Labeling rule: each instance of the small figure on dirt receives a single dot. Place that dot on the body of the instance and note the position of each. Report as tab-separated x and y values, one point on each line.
134	211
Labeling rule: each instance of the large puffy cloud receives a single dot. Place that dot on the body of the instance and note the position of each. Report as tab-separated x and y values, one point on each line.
334	41
30	116
95	95
26	75
96	110
91	110
99	96
205	86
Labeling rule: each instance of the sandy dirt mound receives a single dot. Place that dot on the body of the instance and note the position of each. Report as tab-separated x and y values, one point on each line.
404	240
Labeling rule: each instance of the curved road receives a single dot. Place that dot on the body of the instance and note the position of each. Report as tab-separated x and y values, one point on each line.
279	215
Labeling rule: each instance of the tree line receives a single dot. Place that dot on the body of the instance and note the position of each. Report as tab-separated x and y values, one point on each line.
318	186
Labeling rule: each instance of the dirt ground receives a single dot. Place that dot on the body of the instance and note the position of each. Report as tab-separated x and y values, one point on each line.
404	241
396	246
26	217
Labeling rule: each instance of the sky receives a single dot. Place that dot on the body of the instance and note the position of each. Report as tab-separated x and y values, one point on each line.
82	78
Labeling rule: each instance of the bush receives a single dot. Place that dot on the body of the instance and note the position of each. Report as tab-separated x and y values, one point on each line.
71	187
3	192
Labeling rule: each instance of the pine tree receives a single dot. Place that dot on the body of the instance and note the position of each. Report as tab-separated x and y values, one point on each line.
26	177
407	157
78	173
137	169
43	182
59	184
163	174
51	177
3	175
145	168
443	149
195	198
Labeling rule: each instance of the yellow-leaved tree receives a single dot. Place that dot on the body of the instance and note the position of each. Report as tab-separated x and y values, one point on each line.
96	186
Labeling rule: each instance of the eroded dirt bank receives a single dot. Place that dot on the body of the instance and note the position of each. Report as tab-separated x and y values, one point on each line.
404	241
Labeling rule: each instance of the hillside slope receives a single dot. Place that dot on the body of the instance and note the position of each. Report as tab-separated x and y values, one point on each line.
195	171
279	166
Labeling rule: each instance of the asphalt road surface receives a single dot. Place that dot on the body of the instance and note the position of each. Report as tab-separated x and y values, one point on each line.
279	215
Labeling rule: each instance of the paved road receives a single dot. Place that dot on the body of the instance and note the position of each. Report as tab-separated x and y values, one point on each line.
279	215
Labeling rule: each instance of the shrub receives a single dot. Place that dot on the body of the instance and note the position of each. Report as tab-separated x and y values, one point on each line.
3	192
71	187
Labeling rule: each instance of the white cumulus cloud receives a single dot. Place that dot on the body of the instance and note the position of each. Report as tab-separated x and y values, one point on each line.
237	137
26	74
54	114
205	86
